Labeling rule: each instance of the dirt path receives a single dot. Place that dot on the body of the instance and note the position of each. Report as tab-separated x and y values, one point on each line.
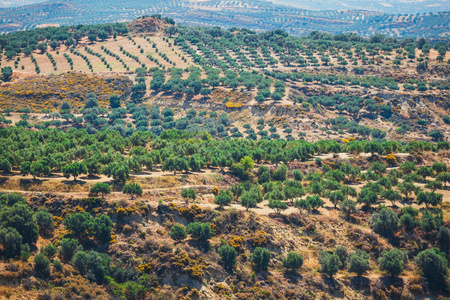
144	191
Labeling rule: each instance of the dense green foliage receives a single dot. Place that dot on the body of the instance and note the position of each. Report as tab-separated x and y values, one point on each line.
392	261
293	261
261	258
329	263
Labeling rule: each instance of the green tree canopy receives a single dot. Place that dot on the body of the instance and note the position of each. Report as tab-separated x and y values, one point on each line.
392	261
132	189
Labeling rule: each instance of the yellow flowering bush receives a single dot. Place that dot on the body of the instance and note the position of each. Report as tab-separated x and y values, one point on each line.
145	268
391	159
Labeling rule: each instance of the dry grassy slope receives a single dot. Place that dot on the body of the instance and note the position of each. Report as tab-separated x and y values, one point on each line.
301	119
307	234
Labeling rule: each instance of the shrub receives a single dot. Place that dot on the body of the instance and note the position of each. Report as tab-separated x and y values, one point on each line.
199	231
177	232
277	205
437	135
298	175
80	261
392	261
96	267
293	261
45	221
329	263
408	222
443	238
302	204
80	224
102	228
11	241
49	251
188	194
223	198
58	265
100	188
433	265
114	101
75	169
446	119
65	106
20	217
348	207
358	262
341	251
67	248
42	266
260	258
384	223
315	201
24	252
132	189
228	256
248	201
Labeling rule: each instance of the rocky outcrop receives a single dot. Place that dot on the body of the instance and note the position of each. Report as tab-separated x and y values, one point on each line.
148	24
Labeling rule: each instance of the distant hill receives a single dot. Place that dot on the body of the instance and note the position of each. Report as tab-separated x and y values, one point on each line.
386	6
253	14
17	3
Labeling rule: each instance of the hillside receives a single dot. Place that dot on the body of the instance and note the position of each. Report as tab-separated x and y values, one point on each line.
389	6
253	14
148	160
359	70
15	3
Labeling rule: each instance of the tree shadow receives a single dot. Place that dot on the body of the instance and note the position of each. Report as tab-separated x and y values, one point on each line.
90	177
73	182
293	277
361	284
352	182
335	287
26	183
389	284
407	202
350	219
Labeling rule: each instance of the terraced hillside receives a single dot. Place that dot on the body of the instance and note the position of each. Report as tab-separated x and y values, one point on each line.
241	71
157	161
390	6
253	14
